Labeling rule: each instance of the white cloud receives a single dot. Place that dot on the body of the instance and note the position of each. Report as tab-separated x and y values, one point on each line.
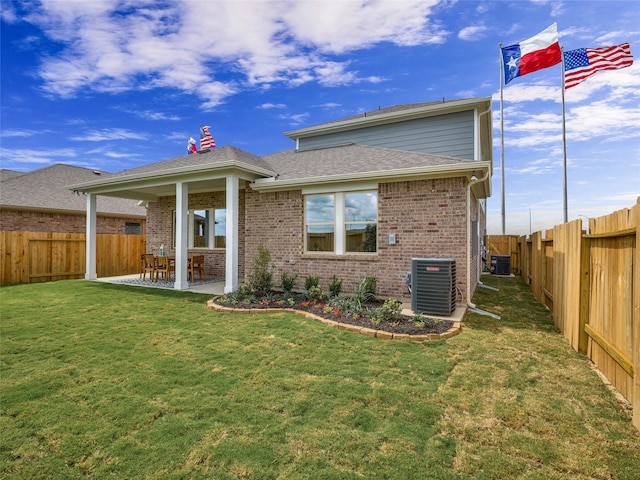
32	156
472	33
19	133
267	106
164	45
107	134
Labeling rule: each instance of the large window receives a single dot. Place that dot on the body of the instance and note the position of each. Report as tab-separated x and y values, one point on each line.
344	222
206	228
361	221
320	223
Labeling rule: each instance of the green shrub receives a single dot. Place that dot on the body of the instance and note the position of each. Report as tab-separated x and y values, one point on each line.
311	281
261	275
335	286
288	282
366	291
315	294
350	306
388	312
243	294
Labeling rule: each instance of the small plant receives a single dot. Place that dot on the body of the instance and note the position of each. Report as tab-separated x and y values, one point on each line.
366	291
388	312
335	286
311	281
349	306
288	282
261	276
242	294
315	294
418	320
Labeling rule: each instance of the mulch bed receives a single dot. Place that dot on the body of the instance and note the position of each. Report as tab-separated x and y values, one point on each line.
404	325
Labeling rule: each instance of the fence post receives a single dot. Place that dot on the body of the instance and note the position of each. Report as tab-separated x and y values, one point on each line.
585	278
635	222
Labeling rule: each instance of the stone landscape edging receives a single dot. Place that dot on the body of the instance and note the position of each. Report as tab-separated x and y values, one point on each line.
370	332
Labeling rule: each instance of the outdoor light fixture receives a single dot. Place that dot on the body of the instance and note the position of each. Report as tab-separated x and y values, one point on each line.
473	177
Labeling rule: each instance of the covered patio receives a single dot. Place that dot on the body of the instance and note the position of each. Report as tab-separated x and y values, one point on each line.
225	170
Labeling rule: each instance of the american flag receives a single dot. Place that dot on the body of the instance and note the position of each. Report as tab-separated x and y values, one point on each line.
206	140
582	63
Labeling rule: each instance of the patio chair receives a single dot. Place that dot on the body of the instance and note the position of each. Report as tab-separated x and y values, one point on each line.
196	264
147	264
164	266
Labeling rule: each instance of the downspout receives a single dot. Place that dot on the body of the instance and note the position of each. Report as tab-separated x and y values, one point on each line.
470	305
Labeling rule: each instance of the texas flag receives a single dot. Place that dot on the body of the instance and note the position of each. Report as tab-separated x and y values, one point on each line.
191	146
535	53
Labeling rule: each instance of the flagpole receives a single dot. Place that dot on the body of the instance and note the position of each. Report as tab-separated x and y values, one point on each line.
502	140
564	145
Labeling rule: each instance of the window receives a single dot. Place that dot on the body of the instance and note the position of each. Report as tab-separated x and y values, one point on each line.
361	221
320	223
345	222
132	228
206	228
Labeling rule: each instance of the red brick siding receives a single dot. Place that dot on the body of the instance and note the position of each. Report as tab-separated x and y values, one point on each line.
160	229
25	221
427	216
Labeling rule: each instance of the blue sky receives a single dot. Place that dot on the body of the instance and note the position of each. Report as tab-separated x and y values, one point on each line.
114	84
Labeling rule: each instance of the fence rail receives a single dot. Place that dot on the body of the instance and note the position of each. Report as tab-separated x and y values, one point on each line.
591	283
29	257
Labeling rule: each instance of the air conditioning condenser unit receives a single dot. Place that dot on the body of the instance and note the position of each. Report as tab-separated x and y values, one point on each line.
433	285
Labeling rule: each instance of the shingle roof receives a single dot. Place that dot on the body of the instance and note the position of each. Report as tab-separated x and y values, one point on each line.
6	174
45	189
349	159
381	111
212	157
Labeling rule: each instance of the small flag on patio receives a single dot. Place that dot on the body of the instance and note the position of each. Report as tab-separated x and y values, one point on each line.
535	53
206	140
580	64
191	146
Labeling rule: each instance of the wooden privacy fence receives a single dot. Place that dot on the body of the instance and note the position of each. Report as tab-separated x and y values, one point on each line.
591	283
29	257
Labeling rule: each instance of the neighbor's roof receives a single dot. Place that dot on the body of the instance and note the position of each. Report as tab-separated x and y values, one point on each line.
45	190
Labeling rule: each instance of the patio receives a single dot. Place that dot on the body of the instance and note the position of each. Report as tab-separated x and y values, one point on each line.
213	286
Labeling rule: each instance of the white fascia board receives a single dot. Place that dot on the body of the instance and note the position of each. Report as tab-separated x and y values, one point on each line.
413	173
391	117
163	177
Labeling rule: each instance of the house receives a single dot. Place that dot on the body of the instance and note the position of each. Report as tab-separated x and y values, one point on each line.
38	201
356	197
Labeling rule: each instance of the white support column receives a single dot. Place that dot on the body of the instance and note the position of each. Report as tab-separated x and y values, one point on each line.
92	221
182	229
231	257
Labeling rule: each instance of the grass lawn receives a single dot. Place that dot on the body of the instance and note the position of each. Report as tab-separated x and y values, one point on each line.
102	380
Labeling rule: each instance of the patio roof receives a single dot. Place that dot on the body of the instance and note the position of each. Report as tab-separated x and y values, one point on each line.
205	171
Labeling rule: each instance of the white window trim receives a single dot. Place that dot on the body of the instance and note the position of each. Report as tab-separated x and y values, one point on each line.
340	224
190	226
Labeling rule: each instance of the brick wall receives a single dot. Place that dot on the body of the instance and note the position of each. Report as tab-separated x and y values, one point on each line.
427	216
160	229
25	221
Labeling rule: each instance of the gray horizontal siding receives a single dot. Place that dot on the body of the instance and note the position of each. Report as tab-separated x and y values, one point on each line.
450	135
